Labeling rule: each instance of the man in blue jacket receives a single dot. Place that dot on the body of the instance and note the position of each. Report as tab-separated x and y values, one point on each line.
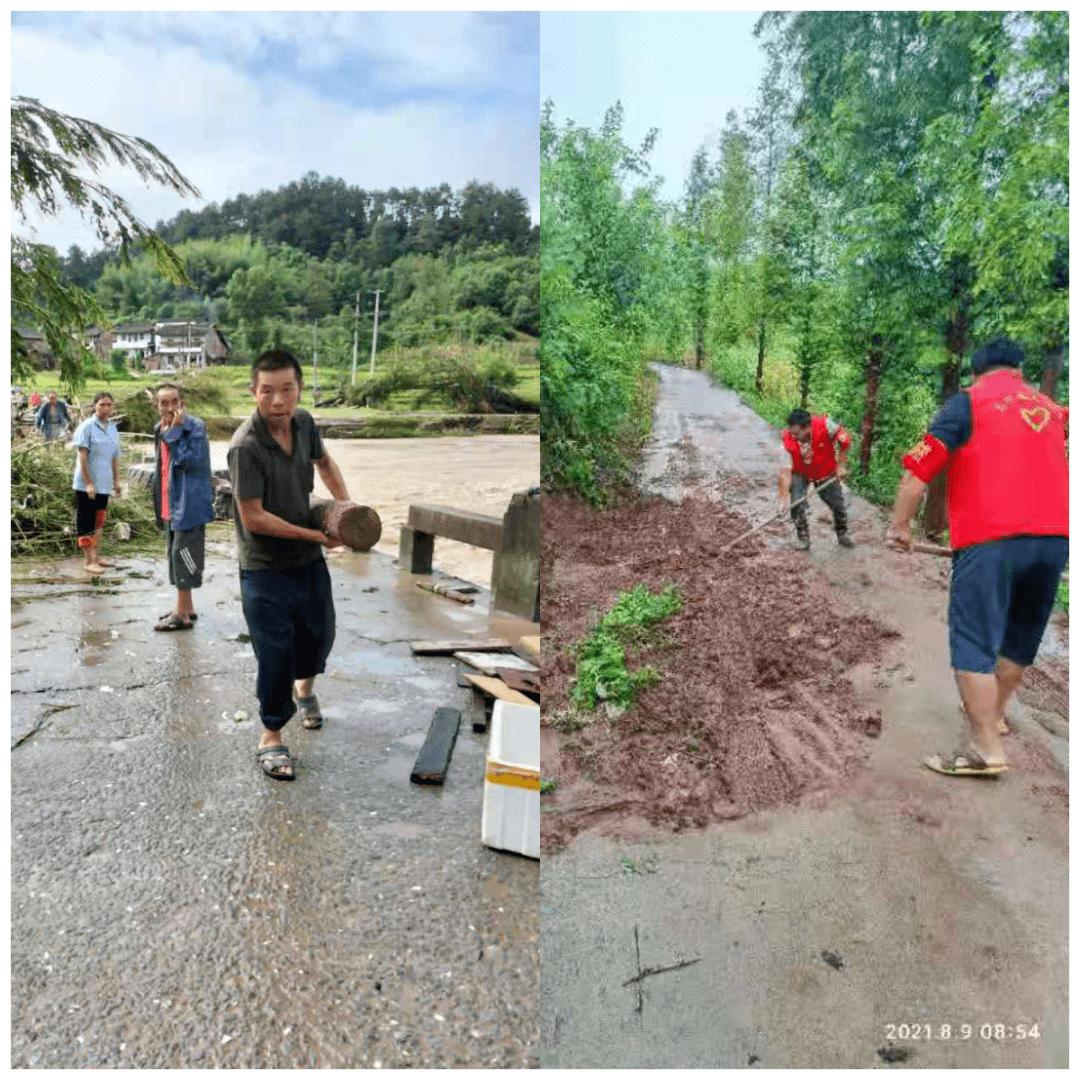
183	500
52	418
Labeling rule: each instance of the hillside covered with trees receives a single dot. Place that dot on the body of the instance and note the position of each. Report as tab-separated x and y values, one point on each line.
269	267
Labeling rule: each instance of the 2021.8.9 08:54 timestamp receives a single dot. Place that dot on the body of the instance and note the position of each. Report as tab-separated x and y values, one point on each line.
961	1032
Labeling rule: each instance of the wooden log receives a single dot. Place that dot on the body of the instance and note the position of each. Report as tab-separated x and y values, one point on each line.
436	648
497	688
358	527
434	757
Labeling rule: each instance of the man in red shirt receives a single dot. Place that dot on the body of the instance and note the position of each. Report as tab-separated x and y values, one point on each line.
1002	446
810	457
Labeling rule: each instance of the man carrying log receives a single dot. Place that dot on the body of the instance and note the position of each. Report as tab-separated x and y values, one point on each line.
815	452
284	582
1001	445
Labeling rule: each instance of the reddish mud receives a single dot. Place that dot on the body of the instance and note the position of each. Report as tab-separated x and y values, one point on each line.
753	709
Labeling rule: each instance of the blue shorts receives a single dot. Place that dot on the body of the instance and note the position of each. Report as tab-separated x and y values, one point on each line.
1001	599
290	617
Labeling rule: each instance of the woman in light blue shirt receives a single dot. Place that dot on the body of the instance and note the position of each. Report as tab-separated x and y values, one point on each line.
97	473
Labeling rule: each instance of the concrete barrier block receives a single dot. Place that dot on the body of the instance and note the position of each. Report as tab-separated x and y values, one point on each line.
515	578
415	550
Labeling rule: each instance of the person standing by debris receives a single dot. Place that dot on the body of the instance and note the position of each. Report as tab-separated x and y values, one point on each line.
815	451
284	581
97	473
35	400
1002	447
52	418
183	500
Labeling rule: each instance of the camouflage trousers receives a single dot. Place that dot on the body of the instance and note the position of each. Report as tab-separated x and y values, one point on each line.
832	496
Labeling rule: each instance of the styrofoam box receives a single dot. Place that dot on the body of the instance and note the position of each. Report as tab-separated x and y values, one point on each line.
511	817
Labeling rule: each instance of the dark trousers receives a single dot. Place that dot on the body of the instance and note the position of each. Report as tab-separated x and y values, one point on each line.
290	617
832	496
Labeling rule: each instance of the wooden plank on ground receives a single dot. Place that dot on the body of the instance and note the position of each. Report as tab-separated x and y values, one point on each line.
434	757
487	663
524	681
436	648
497	688
529	647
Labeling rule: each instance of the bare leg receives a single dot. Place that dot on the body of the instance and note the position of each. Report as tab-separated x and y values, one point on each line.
185	607
90	563
305	687
273	738
980	694
1009	676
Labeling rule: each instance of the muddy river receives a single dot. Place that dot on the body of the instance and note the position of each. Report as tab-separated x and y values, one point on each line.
478	473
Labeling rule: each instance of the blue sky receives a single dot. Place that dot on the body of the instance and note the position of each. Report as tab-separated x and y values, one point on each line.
246	101
677	71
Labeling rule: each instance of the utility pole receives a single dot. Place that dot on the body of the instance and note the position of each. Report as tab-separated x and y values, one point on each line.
356	331
375	332
315	359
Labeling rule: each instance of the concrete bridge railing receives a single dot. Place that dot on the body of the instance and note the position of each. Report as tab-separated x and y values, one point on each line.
515	539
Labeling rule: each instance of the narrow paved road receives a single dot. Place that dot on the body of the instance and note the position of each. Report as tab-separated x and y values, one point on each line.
847	934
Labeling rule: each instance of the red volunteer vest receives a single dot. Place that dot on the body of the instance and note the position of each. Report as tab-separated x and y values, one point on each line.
823	461
1011	478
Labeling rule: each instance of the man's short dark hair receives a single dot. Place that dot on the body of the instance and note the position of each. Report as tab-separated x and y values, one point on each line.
798	418
170	386
276	360
1002	352
102	394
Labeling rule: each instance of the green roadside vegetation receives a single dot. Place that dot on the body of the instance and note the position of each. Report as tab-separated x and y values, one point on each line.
896	196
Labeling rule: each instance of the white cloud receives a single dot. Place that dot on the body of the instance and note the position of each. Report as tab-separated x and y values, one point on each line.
229	133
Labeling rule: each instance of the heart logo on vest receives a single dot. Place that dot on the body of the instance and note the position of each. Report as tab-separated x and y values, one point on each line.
1036	418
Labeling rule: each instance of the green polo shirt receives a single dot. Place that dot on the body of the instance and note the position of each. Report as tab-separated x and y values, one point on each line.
260	469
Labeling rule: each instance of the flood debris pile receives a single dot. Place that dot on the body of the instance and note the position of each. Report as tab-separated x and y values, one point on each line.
752	709
203	392
43	506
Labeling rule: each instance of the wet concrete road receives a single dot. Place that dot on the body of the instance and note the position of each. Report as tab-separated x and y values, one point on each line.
173	907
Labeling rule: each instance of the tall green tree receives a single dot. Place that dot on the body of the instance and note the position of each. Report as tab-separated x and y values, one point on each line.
47	148
699	199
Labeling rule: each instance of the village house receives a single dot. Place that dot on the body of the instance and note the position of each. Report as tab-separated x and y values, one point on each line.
179	344
37	348
136	339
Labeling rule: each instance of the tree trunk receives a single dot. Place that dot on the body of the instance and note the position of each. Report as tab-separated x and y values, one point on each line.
935	517
1053	363
875	361
760	355
699	346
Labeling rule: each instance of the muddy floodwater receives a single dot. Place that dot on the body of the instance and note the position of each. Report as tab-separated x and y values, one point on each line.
478	473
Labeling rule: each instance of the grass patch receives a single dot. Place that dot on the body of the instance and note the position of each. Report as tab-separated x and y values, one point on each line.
548	786
1062	600
602	674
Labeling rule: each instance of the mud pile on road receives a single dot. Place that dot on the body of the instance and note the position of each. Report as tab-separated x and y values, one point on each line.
753	709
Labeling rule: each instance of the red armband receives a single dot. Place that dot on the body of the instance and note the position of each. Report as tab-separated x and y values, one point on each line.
926	458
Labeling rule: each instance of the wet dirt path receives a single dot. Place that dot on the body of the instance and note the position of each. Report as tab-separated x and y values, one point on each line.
863	924
478	473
